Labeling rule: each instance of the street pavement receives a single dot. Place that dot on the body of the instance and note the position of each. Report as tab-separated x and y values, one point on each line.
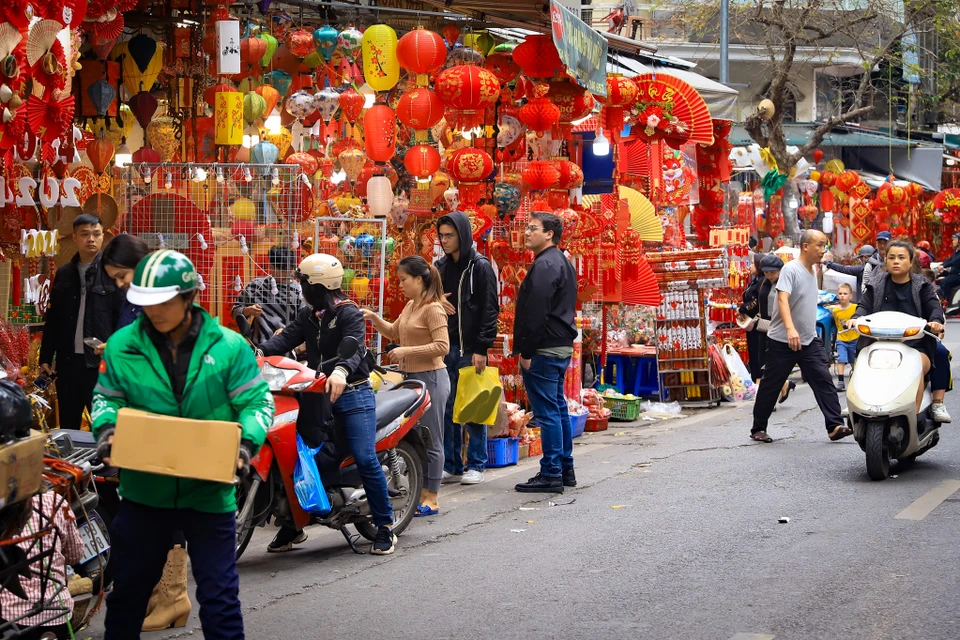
672	533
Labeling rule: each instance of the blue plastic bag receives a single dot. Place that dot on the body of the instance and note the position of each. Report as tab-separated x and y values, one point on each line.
306	481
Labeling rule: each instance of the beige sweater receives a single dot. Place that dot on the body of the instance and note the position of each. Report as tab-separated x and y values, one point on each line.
422	330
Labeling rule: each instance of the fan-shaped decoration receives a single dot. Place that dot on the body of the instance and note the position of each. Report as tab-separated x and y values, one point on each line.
9	38
41	38
643	215
687	106
49	119
108	29
642	289
49	73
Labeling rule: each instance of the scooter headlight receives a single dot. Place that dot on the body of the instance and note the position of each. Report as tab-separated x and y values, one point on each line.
275	377
885	359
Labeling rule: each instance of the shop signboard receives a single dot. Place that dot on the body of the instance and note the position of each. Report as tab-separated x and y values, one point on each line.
582	49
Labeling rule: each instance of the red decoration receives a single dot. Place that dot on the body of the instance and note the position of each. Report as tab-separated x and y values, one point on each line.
847	180
687	116
817	155
380	133
469	167
574	103
252	51
540	115
351	103
570	175
538	56
502	65
300	43
421	52
148	155
422	161
419	109
50	118
828	179
305	161
621	92
451	33
540	175
469	90
144	106
100	152
210	95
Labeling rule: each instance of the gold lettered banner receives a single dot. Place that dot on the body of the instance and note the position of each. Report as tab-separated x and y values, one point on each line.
581	47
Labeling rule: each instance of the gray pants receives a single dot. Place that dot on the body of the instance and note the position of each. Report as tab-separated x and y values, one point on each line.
438	386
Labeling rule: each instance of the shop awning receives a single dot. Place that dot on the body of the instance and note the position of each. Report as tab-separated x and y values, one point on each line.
799	133
720	99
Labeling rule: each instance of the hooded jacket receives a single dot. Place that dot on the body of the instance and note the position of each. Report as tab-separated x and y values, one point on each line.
473	287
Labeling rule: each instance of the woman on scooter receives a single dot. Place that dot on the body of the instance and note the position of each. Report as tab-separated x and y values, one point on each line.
329	317
899	288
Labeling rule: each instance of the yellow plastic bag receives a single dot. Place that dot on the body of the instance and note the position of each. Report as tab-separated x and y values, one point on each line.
478	396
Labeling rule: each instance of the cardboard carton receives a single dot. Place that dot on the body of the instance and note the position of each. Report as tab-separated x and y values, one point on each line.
21	468
181	447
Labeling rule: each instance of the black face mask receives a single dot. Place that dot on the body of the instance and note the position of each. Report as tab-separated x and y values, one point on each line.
315	295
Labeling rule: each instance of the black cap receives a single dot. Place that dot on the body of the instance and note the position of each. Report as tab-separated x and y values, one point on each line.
771	262
282	258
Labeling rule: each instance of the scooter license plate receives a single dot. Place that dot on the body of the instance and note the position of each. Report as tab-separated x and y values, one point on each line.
94	542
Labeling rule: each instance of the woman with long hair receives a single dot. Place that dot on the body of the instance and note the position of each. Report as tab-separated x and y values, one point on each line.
421	331
120	259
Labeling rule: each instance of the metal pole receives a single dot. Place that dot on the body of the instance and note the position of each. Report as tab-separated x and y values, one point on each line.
724	41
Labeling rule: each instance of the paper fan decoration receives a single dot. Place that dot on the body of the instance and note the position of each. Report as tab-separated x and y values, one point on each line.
643	215
42	36
642	289
16	12
109	29
9	39
686	104
50	118
50	75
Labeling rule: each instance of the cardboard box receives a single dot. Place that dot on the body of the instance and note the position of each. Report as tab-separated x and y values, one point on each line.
181	447
21	468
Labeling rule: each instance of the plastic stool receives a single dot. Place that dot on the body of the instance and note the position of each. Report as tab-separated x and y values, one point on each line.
618	372
646	379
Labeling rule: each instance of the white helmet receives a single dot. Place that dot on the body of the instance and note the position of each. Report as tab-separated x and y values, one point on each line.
320	268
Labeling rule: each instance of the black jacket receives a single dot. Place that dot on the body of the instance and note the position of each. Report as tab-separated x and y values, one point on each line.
100	318
855	270
756	298
322	332
953	262
546	305
924	297
473	288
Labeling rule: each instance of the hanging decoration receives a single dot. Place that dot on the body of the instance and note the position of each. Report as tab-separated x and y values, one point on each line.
421	52
621	94
538	56
380	133
381	68
470	167
667	107
468	90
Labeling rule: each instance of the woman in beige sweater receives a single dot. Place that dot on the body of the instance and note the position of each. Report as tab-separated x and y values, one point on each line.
421	331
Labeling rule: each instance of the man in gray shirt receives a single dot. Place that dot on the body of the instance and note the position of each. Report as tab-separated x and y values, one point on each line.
792	340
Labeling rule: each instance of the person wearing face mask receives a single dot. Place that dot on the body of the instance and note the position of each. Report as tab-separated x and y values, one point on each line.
328	317
176	360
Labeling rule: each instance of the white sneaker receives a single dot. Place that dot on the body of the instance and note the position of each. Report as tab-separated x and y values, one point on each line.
449	478
472	477
938	411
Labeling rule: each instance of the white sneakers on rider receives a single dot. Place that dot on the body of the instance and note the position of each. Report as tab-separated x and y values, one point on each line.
472	476
938	411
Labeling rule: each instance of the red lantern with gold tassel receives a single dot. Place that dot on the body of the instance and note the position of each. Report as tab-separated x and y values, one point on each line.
538	56
419	109
380	133
469	167
468	90
421	52
540	115
570	177
540	175
422	161
622	92
847	180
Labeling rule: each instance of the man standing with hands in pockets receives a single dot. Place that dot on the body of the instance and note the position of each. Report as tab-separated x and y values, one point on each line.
472	308
792	340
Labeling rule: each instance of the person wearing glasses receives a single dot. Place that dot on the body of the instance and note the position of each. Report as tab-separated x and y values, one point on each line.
543	335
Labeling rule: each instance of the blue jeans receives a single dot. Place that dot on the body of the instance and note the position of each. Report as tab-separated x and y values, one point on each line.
847	351
940	371
544	384
140	541
453	433
356	414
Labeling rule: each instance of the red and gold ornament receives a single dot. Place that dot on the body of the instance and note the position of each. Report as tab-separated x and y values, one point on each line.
469	167
468	90
421	52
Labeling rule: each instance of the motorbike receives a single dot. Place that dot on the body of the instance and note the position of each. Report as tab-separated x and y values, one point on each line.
401	445
826	327
882	394
951	300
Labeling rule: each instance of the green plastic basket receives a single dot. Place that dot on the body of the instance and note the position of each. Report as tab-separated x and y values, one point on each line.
621	409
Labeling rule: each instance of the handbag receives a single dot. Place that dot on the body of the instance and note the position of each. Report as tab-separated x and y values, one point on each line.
306	481
762	325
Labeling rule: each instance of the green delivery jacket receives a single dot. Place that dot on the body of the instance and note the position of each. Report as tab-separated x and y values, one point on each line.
223	383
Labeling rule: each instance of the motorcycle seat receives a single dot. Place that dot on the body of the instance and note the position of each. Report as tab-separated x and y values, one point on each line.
393	404
82	439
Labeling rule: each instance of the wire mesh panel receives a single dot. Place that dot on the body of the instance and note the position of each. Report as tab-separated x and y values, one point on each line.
362	245
241	225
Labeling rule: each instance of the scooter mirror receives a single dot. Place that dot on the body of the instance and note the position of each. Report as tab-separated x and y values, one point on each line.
348	347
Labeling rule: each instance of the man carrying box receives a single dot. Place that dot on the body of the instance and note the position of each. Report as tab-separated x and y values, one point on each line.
175	360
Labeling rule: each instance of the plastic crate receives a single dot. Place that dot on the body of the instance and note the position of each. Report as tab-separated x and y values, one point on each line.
578	422
502	452
598	424
620	409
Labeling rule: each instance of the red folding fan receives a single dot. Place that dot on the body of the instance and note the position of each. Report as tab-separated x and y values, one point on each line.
688	105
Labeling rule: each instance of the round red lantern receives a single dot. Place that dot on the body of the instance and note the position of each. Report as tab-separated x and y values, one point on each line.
538	56
419	109
574	103
307	162
148	155
502	65
252	50
847	180
468	90
422	161
540	175
828	179
421	52
570	175
622	92
351	103
540	115
210	95
469	167
380	133
300	43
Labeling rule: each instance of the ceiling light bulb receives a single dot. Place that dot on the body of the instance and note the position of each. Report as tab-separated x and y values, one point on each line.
219	174
273	123
275	177
123	156
601	146
169	183
369	95
147	176
200	175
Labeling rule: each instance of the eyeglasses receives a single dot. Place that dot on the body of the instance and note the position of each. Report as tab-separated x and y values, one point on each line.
532	227
447	236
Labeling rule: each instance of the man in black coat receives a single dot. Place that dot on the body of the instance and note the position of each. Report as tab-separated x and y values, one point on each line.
84	303
470	288
950	270
543	335
865	254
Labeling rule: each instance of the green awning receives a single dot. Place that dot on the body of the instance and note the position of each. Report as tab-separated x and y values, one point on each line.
798	133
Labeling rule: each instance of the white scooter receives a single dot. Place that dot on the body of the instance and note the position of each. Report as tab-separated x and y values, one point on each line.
882	394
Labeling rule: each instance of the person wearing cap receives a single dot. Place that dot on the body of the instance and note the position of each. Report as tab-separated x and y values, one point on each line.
950	270
874	265
176	360
856	270
761	308
269	303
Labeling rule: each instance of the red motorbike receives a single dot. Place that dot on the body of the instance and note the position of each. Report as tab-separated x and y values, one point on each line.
268	491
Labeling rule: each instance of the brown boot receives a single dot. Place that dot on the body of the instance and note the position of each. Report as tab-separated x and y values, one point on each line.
172	604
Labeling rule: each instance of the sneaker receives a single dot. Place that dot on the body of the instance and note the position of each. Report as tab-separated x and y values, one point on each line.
569	478
385	544
450	478
541	484
938	411
472	477
841	385
285	539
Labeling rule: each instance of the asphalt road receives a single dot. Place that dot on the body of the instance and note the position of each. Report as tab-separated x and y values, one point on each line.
673	533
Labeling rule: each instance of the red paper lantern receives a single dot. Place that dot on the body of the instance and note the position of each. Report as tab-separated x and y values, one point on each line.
148	155
380	133
817	155
307	162
574	103
538	56
351	103
914	190
468	90
540	115
419	109
469	167
570	175
847	180
252	50
422	161
421	52
502	65
540	175
210	95
300	43
828	179
622	92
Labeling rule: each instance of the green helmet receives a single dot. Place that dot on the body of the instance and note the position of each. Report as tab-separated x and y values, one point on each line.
161	276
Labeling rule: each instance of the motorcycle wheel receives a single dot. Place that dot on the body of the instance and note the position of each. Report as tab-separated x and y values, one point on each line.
245	523
412	467
878	455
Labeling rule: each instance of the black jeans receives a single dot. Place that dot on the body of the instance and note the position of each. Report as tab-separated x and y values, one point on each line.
141	540
75	383
948	283
815	368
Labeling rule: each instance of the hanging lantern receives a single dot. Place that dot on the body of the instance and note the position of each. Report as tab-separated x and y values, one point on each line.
300	43
210	95
144	107
381	69
271	48
102	95
270	97
502	65
380	133
264	153
351	161
421	52
469	90
379	196
100	152
469	167
146	155
540	175
300	105
538	56
162	136
252	51
847	180
281	81
507	198
254	106
350	42
422	161
828	179
351	104
574	103
451	33
419	109
305	161
540	115
327	103
621	93
480	41
228	118
325	41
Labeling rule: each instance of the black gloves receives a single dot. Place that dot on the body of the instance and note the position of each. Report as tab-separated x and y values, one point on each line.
246	455
103	442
